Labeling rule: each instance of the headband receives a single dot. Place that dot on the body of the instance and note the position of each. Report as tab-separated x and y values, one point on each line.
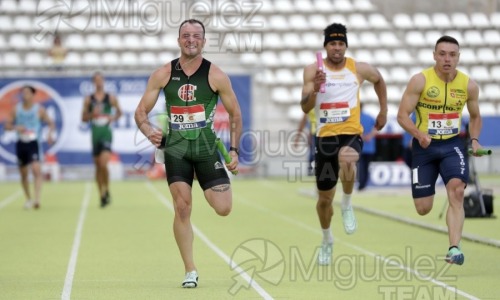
335	36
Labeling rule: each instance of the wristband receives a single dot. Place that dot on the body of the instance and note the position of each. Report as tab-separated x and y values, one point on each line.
235	150
472	139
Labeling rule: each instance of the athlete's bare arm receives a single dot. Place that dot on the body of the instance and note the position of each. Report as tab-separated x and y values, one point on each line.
475	122
157	81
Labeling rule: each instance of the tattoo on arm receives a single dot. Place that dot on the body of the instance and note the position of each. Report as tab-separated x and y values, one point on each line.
220	188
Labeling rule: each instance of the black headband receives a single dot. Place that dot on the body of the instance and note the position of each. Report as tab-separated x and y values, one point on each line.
335	36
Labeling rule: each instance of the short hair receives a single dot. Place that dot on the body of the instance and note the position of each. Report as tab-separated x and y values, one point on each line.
446	39
97	73
192	21
30	87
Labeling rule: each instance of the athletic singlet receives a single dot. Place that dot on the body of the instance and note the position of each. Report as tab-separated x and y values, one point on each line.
338	109
439	109
103	108
190	101
312	121
30	120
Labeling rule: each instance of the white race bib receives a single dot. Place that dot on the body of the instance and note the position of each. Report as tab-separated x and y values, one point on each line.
27	136
101	120
187	117
443	123
336	112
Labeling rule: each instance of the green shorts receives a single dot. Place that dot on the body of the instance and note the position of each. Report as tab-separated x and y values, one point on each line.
101	140
185	157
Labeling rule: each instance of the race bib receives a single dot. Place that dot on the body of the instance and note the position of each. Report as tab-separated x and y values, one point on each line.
27	136
442	124
187	117
337	112
101	120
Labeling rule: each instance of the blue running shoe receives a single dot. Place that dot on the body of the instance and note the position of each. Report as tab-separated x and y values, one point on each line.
455	256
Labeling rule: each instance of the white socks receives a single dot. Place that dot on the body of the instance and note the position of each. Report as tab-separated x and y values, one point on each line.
327	236
346	201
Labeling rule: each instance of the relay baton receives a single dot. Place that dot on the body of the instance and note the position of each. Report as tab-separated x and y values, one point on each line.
481	151
319	60
225	154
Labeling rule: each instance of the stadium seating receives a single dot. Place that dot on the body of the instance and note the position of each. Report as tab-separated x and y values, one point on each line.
290	32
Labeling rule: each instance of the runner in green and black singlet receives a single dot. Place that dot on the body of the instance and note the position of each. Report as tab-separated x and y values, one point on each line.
192	87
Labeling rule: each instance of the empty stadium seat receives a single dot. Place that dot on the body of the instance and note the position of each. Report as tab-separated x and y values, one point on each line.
27	7
23	23
35	60
415	38
284	7
129	58
312	40
389	39
460	20
368	39
151	42
487	109
383	57
422	21
426	56
113	41
111	59
363	5
431	36
166	57
378	21
486	55
249	58
344	6
495	19
278	23
479	20
91	60
317	22
441	21
299	22
399	74
148	59
364	55
491	37
18	41
132	41
282	95
291	40
491	91
303	6
468	56
95	42
73	59
324	6
495	73
402	21
357	21
284	76
480	73
75	41
269	59
287	58
473	37
272	40
12	60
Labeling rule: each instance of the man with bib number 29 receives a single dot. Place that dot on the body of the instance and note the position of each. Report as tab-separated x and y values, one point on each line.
339	129
192	86
438	95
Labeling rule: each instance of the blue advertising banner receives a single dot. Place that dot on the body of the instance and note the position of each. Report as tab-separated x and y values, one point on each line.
63	99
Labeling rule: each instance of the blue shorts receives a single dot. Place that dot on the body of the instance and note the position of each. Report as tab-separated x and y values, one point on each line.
447	158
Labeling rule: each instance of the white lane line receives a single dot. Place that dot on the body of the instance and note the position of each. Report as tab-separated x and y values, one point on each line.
360	249
246	277
9	199
70	274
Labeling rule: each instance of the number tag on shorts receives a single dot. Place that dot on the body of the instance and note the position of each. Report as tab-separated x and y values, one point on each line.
440	124
337	112
188	117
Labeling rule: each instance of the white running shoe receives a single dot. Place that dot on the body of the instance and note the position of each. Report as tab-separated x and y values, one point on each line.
325	254
191	280
349	220
28	204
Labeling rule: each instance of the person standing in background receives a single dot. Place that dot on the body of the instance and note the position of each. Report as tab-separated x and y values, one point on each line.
101	109
26	119
369	148
309	121
58	53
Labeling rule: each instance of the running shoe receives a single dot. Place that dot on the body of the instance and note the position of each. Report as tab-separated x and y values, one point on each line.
349	220
191	280
325	254
455	256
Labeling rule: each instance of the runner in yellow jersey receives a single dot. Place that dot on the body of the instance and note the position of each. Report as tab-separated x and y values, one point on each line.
438	95
338	141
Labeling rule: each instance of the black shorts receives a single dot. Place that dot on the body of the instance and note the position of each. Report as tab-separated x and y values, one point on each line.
327	158
27	152
443	157
185	157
